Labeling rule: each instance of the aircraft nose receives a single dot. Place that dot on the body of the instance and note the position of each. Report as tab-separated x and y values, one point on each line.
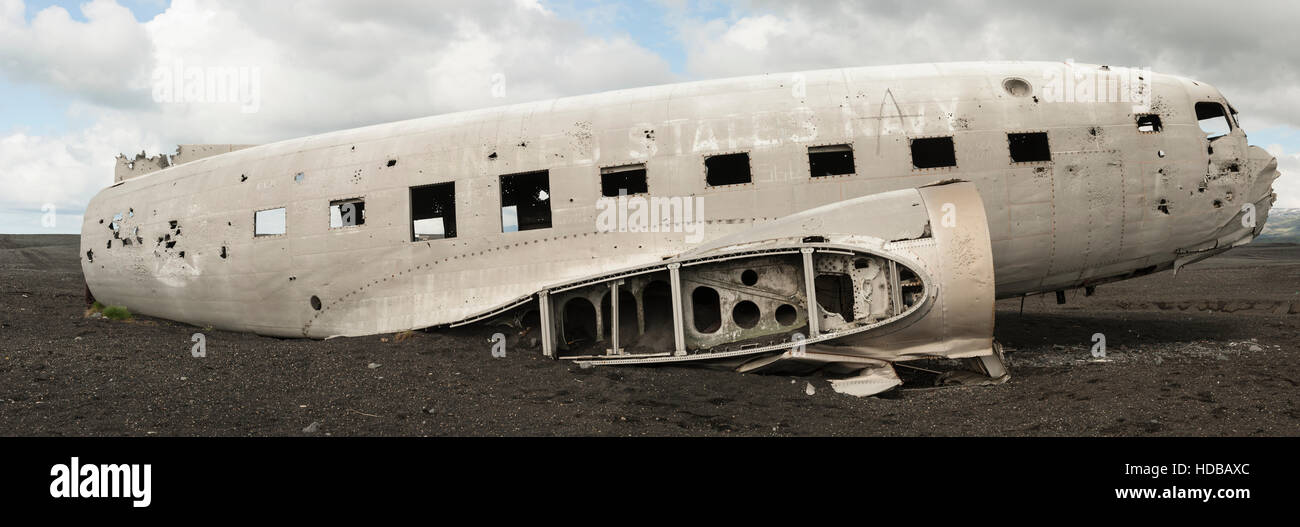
1264	173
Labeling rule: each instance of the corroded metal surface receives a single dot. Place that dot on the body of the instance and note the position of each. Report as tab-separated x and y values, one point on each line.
1113	201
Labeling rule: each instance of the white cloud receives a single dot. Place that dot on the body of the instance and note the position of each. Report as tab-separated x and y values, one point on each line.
751	34
62	172
328	65
1250	52
320	66
104	59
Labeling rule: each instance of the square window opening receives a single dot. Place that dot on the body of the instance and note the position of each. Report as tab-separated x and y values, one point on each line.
727	169
525	201
1212	119
269	222
832	160
933	152
347	213
433	211
1149	124
630	179
1029	147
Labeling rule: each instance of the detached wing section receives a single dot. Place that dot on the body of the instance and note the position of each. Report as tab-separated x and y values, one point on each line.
888	277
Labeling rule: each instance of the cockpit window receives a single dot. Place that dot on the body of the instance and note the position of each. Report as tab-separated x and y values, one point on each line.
1213	120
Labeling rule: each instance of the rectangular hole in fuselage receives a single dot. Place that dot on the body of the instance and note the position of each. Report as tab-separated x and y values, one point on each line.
270	222
630	179
1212	119
1149	123
347	213
1029	147
525	201
835	294
830	160
727	169
933	152
433	211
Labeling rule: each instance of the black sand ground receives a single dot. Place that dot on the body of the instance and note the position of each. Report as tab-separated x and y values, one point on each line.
1213	352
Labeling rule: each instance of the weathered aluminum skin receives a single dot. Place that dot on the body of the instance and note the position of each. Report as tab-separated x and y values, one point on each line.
1091	214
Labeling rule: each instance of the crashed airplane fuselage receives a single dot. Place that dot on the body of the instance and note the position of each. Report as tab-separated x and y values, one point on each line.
841	216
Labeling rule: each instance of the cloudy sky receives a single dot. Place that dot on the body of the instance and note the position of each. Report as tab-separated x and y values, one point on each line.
79	81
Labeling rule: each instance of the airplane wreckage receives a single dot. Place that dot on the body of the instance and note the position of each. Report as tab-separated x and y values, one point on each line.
843	219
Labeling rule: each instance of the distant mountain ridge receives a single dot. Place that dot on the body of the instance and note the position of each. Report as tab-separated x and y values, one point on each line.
1283	226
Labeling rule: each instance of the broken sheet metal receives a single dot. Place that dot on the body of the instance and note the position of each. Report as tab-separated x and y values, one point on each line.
858	376
142	163
896	276
1249	221
819	221
868	381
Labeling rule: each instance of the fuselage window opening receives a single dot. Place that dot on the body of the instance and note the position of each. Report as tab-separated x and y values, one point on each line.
347	213
525	201
727	169
1149	123
629	179
706	308
1029	147
1212	119
830	160
933	152
269	222
433	211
